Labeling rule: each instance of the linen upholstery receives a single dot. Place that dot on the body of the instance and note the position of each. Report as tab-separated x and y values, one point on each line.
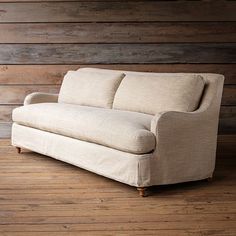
124	167
123	130
185	143
90	88
38	97
155	93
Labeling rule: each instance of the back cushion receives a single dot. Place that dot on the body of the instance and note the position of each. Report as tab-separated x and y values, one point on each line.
155	93
90	88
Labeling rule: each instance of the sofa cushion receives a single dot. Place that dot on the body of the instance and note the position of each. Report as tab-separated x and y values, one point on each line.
90	88
122	130
150	93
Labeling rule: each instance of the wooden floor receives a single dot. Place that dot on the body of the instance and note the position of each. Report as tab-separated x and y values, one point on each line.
42	196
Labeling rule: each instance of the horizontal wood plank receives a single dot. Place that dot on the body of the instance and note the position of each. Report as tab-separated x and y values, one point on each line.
5	129
111	11
229	95
5	112
16	94
35	74
176	232
227	123
111	219
53	74
118	32
106	227
117	53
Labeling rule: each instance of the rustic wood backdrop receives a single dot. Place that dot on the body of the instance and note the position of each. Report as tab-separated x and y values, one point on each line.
41	40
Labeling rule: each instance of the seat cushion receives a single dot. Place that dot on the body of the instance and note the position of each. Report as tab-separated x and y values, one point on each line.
122	130
90	88
150	93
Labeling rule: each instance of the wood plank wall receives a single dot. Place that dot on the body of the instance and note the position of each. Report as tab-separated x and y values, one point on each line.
41	40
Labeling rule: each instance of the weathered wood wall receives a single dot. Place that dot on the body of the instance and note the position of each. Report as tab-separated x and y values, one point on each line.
40	40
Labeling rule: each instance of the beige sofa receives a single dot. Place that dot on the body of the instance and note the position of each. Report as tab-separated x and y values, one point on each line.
141	129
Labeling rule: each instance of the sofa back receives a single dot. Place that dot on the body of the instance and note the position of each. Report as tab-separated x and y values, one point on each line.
139	91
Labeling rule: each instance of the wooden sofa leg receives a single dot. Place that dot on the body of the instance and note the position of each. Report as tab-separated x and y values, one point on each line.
142	192
18	150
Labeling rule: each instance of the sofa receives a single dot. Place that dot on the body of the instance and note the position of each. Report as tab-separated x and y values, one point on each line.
138	128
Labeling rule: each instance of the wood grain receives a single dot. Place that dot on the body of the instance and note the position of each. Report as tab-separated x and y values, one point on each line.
34	74
16	94
176	232
41	196
5	129
229	95
118	32
117	11
227	123
117	53
6	112
53	74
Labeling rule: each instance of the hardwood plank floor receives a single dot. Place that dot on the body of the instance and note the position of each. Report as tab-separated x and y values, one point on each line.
42	196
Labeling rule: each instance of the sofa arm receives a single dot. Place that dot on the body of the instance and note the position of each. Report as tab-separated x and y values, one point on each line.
185	144
38	97
187	131
189	124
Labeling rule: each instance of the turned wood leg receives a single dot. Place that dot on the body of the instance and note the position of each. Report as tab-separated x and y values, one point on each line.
18	150
141	191
210	179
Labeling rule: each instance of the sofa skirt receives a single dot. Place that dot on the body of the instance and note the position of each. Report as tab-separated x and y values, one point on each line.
127	168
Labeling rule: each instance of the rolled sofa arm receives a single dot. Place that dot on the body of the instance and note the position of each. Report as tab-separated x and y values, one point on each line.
185	144
200	126
38	97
